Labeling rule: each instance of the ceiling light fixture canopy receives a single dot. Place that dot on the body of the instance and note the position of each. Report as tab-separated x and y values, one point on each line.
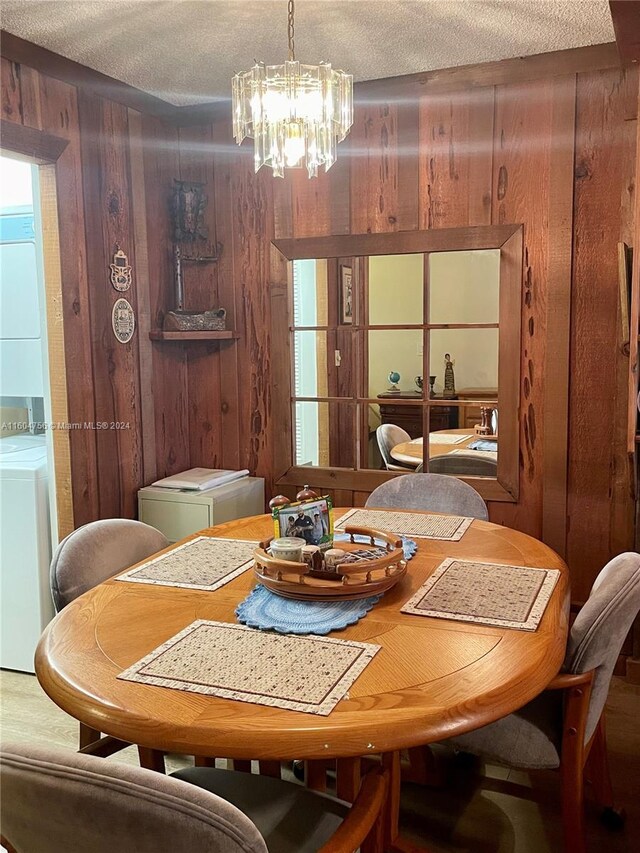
296	114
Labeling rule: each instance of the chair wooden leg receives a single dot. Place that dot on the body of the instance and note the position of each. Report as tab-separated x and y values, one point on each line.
88	735
422	768
597	768
348	778
151	759
572	767
315	775
270	768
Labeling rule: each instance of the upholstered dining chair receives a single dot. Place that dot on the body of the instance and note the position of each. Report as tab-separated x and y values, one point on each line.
564	726
472	464
85	558
388	435
435	492
101	807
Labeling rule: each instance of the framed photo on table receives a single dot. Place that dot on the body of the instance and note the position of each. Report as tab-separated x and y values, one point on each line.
309	520
346	296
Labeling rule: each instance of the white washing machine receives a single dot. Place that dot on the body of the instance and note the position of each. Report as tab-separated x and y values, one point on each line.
25	549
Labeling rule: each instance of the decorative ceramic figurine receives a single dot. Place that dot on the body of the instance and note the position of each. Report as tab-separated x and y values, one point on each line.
449	378
419	382
394	378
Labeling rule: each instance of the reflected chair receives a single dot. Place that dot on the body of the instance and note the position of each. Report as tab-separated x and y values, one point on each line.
464	464
84	559
564	726
431	492
388	435
102	807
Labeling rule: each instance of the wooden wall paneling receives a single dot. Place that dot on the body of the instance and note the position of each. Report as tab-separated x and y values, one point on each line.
521	193
230	382
634	326
141	279
311	203
30	95
59	112
600	509
557	364
455	164
252	224
196	153
170	380
201	293
340	189
11	97
374	168
407	154
626	24
116	378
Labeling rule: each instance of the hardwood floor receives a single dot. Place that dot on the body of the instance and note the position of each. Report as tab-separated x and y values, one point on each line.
498	811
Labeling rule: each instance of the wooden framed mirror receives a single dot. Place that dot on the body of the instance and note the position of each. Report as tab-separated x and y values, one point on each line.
388	351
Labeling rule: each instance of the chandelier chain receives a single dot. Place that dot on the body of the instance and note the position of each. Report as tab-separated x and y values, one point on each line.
290	30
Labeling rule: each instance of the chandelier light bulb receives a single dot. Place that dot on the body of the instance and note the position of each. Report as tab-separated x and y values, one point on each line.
296	114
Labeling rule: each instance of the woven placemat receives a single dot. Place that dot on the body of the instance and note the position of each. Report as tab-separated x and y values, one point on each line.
201	563
426	526
309	674
485	593
448	437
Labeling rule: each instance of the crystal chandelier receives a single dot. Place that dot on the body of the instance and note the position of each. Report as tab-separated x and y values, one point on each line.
295	113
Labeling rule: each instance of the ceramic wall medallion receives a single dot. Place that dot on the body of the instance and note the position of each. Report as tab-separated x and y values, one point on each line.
120	271
123	321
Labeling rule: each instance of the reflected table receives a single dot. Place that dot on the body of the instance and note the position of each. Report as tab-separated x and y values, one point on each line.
410	452
432	678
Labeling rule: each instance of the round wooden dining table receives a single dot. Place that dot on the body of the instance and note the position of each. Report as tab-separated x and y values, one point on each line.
432	678
410	452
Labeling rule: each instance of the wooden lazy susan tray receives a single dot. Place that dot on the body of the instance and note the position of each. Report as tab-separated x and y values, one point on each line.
357	576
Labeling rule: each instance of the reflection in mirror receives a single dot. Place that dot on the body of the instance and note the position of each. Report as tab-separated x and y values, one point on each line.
310	363
310	293
464	362
396	287
324	434
395	363
463	452
464	287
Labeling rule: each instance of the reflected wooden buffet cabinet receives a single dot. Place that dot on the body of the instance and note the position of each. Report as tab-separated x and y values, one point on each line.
410	417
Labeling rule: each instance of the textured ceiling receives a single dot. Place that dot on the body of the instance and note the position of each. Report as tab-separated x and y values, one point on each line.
186	52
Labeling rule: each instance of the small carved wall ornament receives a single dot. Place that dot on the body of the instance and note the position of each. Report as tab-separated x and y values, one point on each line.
120	271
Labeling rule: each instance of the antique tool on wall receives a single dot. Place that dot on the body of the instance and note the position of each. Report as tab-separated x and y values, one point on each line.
187	207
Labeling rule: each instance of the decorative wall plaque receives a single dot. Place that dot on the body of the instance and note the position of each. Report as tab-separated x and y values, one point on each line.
123	321
120	271
188	205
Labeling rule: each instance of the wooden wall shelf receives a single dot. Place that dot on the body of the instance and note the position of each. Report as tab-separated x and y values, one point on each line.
227	335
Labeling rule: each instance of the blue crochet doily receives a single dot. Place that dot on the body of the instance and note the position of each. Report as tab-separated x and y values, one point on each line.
268	611
265	610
